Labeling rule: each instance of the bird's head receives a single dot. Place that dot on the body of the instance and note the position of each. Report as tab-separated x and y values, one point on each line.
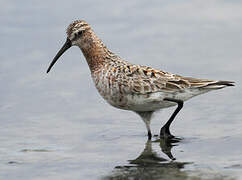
76	33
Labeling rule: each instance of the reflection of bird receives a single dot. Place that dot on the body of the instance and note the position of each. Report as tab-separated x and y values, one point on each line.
132	87
149	164
166	146
148	156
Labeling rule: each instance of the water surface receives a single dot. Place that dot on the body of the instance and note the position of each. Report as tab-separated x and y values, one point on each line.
56	126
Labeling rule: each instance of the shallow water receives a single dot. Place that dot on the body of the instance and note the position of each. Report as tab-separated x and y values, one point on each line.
56	126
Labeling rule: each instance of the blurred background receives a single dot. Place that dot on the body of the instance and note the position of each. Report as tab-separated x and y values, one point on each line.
57	126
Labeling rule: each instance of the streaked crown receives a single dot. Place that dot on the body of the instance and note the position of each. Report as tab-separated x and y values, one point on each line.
76	29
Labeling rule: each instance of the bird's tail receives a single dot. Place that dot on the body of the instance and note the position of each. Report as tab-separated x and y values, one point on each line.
208	84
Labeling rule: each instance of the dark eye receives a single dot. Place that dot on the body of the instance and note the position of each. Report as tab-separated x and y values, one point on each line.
80	33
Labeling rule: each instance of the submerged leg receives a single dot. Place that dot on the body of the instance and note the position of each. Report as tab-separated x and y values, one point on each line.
165	130
146	117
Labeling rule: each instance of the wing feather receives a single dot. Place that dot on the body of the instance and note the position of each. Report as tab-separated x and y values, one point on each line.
144	80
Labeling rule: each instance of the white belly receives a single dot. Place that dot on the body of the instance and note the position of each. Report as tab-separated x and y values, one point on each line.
153	101
149	102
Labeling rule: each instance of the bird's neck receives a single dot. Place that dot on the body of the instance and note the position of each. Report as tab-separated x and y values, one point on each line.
95	52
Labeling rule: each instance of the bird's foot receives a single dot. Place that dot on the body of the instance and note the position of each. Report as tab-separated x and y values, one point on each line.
167	136
165	133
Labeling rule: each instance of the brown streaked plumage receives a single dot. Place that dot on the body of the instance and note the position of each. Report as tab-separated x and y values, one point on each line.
133	87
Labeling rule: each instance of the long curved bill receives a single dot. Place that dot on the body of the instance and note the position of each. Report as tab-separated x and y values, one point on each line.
66	46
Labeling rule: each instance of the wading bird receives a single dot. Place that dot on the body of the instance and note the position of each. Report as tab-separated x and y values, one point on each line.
124	85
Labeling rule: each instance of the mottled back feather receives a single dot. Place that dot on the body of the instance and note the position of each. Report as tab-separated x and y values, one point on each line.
143	80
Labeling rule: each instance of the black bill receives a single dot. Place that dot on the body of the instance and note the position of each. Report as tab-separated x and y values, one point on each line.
66	46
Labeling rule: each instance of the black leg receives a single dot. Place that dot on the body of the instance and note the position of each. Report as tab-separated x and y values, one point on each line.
165	130
149	135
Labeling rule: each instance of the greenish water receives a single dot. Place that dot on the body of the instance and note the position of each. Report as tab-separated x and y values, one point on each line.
56	126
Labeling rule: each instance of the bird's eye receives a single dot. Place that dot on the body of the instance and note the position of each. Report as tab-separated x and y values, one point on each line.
80	33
